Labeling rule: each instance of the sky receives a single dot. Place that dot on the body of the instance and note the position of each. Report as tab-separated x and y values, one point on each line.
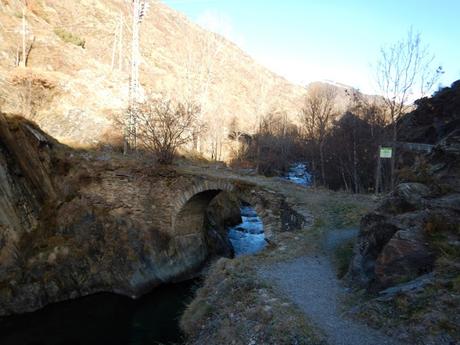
337	40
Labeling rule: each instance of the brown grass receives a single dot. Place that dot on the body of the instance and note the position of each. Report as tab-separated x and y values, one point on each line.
234	307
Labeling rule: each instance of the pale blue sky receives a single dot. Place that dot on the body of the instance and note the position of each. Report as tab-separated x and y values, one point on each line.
306	40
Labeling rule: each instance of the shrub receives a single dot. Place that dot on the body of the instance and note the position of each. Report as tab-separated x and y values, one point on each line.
69	37
163	126
34	91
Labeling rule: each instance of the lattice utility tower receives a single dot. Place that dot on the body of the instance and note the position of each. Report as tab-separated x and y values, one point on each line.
24	32
118	44
140	8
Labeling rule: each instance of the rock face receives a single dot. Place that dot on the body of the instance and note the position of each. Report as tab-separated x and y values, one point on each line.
222	213
401	239
434	118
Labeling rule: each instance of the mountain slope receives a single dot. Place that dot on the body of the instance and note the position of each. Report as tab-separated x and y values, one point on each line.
82	93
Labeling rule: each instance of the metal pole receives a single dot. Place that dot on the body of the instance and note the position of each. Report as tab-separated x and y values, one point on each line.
115	43
120	44
23	37
134	79
378	173
140	8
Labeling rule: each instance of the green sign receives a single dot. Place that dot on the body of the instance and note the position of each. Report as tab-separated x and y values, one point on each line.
386	152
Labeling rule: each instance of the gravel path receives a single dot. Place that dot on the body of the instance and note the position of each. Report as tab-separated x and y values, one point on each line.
337	237
311	283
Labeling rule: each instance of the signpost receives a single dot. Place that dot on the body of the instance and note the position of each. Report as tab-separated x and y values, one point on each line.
385	152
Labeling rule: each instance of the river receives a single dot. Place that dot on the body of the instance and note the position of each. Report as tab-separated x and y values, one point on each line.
247	237
298	174
103	318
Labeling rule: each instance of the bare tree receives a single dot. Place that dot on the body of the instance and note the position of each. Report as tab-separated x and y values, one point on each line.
316	116
164	126
404	71
274	146
202	61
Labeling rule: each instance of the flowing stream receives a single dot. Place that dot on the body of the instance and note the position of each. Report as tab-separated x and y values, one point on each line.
103	319
247	237
298	174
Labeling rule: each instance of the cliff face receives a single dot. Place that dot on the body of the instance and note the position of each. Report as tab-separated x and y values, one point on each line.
72	91
24	184
434	118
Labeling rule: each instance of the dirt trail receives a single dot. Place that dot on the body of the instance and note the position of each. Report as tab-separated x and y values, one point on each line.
311	283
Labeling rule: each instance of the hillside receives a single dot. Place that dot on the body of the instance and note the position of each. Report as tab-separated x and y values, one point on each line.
72	92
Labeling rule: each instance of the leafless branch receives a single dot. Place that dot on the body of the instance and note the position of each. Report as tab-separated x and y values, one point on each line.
163	126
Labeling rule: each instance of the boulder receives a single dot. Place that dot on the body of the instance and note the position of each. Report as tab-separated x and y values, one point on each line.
403	258
412	193
375	232
414	286
222	213
407	197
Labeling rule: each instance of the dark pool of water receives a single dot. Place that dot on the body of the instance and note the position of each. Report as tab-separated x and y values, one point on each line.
103	319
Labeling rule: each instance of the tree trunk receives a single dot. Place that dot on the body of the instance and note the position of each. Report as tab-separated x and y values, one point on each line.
342	173
321	157
393	155
355	168
378	172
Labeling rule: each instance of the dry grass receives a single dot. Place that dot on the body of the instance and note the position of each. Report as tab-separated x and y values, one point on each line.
235	307
37	7
34	90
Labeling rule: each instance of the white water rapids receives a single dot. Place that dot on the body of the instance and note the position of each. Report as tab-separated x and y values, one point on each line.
247	237
298	174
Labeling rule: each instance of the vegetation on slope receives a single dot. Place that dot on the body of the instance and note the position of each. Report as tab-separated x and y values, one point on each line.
69	37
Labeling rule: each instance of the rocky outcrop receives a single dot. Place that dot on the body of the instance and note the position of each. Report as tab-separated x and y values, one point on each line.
25	185
435	118
222	213
395	241
408	249
401	239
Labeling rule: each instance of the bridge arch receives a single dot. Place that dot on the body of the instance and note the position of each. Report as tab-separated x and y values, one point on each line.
189	210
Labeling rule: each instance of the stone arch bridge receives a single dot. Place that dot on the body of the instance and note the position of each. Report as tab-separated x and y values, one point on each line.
184	208
165	212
